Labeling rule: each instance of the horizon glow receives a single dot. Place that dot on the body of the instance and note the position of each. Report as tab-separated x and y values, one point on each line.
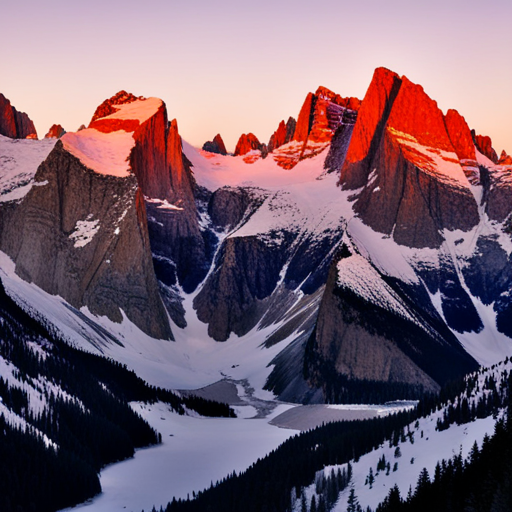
232	68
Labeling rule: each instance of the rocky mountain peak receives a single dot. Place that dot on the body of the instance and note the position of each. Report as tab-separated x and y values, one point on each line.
278	138
460	135
247	142
108	107
14	124
368	129
484	145
505	159
215	146
56	131
321	114
402	155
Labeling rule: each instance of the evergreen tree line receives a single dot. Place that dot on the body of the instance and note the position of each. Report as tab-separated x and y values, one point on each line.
327	489
39	478
91	422
489	402
481	483
268	484
273	483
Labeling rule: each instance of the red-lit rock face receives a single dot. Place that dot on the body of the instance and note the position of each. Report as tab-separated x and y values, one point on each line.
180	183
7	122
505	159
373	113
484	145
460	135
402	158
303	121
108	107
321	114
278	138
247	142
55	132
14	124
415	114
149	156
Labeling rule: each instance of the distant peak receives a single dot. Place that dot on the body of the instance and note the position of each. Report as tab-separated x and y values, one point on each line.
15	124
484	145
215	146
247	142
505	159
108	107
56	131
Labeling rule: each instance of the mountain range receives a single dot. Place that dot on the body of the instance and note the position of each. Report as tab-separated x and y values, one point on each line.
362	254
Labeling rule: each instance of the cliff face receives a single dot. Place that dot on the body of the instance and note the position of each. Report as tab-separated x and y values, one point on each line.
215	146
82	235
14	124
378	332
181	250
181	254
414	184
247	142
56	131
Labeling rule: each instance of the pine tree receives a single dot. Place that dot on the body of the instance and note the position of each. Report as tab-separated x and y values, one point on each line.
353	503
371	478
312	507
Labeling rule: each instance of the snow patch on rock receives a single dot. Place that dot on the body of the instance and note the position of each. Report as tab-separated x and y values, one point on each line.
84	231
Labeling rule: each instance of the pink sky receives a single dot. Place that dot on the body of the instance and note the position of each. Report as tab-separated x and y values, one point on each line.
233	66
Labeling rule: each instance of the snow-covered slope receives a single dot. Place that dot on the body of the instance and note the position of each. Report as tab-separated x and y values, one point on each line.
19	160
423	445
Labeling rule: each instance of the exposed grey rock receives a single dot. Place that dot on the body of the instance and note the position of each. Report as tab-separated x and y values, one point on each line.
365	341
83	236
229	205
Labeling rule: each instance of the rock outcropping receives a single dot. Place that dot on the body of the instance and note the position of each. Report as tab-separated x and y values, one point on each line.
82	235
484	145
374	333
505	159
55	132
321	114
14	124
414	184
215	146
247	142
282	135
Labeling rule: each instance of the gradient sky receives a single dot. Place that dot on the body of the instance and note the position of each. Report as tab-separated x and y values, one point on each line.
232	66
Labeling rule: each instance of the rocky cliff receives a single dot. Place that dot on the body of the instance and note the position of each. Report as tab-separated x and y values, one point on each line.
247	142
484	145
376	332
401	153
82	235
215	146
55	132
14	124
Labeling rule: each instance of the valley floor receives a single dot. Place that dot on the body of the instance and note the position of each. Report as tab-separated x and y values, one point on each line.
197	451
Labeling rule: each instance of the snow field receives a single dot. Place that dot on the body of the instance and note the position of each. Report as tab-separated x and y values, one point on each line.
194	452
19	160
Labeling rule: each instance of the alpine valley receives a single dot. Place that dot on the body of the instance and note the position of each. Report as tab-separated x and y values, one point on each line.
209	306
